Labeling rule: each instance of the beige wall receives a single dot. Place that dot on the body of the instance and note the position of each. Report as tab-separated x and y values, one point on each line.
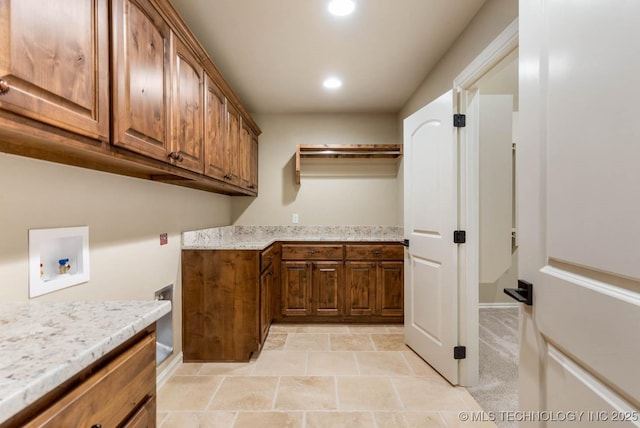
125	218
331	192
490	21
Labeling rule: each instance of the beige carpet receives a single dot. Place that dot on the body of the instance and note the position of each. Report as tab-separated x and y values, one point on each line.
498	388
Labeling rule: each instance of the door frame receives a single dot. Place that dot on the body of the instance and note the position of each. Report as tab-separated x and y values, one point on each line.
469	198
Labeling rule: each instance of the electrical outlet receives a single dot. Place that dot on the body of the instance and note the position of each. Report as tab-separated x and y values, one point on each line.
164	239
294	219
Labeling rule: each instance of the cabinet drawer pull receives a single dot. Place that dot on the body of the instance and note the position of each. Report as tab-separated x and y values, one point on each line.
96	426
4	87
377	252
176	156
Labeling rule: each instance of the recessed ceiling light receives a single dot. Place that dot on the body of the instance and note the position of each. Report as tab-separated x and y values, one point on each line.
332	83
341	7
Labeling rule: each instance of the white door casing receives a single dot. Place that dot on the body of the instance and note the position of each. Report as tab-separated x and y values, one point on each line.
430	217
579	211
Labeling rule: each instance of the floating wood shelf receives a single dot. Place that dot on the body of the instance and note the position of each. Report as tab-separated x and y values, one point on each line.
353	151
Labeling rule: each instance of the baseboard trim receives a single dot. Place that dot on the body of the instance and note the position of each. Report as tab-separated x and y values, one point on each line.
164	375
498	305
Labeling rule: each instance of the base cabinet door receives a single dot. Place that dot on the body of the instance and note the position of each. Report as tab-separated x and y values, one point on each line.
54	63
266	290
390	288
296	288
327	284
142	46
361	293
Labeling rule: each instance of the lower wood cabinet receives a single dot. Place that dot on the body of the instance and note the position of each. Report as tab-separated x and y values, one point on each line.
312	288
117	391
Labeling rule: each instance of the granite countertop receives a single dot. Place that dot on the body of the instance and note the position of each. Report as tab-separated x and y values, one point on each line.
43	344
260	237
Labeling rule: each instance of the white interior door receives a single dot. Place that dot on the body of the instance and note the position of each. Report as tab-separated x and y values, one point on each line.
579	211
431	191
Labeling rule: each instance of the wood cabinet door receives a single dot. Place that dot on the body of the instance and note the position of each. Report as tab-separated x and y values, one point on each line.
188	112
54	59
253	180
328	280
390	290
266	288
244	155
361	291
214	130
145	417
141	78
296	288
232	145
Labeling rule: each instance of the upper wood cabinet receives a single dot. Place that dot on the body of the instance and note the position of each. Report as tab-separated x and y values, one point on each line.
142	46
121	86
186	148
232	145
215	119
54	63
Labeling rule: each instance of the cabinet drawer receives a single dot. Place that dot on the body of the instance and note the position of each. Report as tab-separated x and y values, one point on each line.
374	252
266	257
110	395
311	252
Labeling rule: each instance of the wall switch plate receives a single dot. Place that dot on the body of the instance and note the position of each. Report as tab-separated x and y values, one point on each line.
164	239
294	219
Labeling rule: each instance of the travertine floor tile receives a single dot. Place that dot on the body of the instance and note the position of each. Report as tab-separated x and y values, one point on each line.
269	419
226	369
366	393
199	420
310	376
188	369
307	342
331	364
426	394
306	393
382	364
245	393
281	363
419	366
187	392
351	342
339	420
409	419
389	342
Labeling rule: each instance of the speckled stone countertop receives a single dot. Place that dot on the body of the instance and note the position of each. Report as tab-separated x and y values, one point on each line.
260	237
42	344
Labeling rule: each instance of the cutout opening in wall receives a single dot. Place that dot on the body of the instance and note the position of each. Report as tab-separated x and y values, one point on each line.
58	258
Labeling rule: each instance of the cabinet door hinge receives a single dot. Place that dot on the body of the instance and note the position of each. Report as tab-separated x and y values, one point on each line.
459	120
459	236
459	352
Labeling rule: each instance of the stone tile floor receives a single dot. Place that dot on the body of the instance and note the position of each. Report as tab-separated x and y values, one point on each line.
315	376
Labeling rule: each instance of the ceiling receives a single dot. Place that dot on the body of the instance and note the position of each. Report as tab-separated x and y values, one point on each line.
276	53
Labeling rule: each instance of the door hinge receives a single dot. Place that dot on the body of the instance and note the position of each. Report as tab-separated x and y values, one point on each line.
459	352
459	120
405	242
459	236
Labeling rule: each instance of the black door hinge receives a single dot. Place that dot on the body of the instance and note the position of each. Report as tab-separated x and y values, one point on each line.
459	236
405	242
459	352
459	120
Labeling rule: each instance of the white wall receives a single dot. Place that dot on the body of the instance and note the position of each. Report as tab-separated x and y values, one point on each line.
125	218
361	192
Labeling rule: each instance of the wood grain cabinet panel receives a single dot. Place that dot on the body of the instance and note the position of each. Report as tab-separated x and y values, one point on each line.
232	145
327	288
296	288
253	176
215	120
188	116
54	61
362	284
390	288
142	47
312	252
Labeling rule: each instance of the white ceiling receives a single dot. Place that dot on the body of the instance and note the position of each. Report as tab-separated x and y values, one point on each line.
276	53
